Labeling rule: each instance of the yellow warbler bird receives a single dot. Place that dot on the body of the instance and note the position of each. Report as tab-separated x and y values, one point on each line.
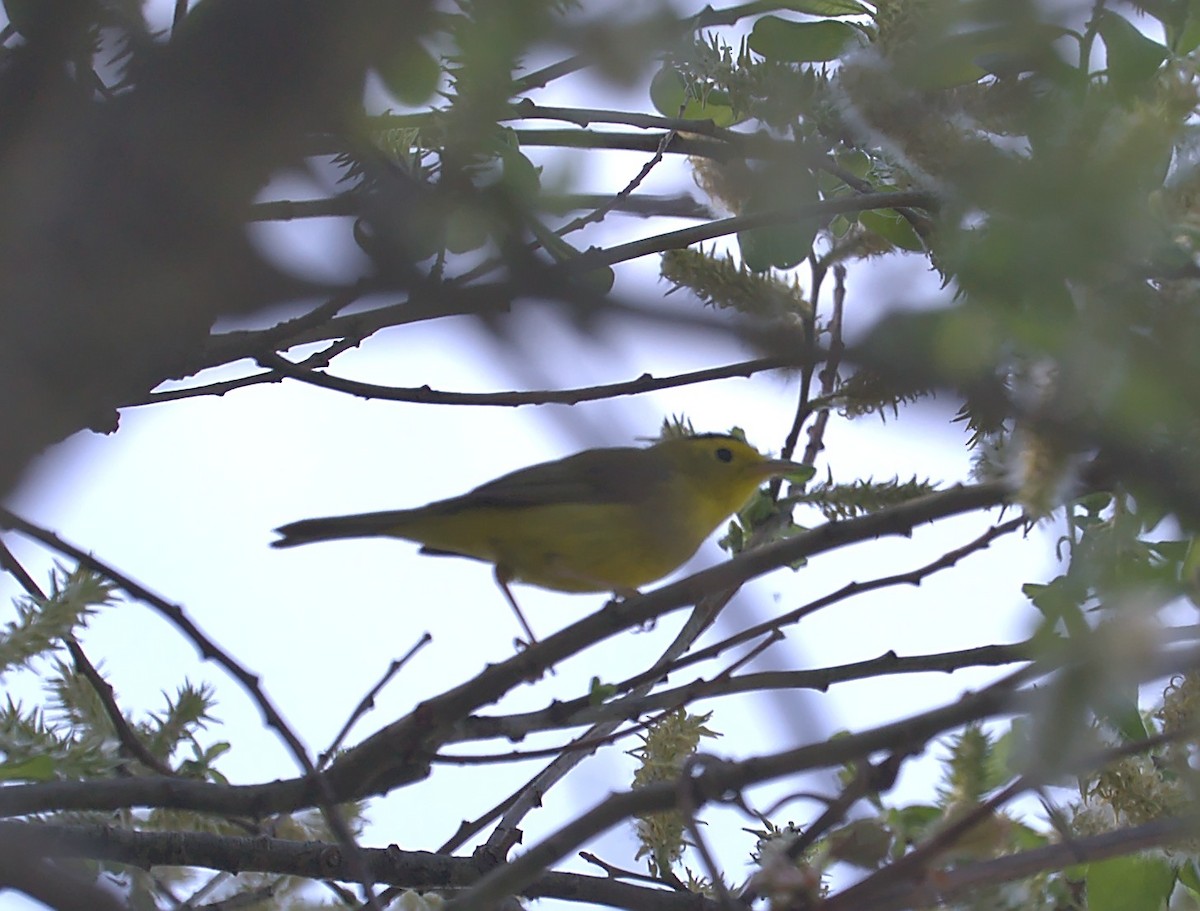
598	521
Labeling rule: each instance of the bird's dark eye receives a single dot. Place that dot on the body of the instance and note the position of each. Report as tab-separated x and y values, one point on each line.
724	455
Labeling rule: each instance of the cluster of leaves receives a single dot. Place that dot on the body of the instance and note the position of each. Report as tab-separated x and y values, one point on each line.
71	734
1112	568
1139	789
844	501
723	283
42	622
74	735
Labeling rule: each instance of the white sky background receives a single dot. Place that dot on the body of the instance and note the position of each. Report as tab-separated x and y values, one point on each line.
184	498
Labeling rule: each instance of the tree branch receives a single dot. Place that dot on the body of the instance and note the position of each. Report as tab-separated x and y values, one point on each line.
417	870
513	399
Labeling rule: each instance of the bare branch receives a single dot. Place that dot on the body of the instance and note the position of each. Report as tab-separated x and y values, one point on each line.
513	399
419	870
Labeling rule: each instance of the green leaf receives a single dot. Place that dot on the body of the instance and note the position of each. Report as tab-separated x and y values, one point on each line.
864	843
1119	710
599	692
1189	571
822	7
1189	876
1135	883
779	246
36	768
1186	37
1057	597
522	178
411	75
672	97
911	823
1132	57
801	475
943	66
1095	503
785	41
856	161
892	227
466	229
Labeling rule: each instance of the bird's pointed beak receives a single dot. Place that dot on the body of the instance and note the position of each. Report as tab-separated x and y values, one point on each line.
780	468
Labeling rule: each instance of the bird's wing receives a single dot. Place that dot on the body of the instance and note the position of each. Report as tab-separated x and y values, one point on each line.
619	475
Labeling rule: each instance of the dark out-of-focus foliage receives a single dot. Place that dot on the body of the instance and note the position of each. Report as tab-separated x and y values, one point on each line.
1042	158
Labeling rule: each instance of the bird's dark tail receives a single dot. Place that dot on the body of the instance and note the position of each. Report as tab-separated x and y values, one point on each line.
330	528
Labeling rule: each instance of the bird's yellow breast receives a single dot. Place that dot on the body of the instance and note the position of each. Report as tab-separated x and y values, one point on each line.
572	547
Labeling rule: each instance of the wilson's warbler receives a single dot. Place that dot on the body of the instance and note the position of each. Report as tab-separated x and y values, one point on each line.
601	520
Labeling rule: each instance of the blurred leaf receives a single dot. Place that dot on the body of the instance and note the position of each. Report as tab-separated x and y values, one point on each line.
25	15
911	823
1189	572
1135	883
864	843
600	279
1119	710
801	475
943	65
1061	599
522	178
822	7
672	97
779	246
1189	876
36	768
412	75
1132	57
892	227
856	161
1186	37
784	41
466	229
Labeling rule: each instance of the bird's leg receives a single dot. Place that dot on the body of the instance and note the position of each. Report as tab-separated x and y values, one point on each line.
503	577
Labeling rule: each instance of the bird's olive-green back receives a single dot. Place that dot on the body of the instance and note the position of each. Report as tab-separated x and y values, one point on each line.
618	475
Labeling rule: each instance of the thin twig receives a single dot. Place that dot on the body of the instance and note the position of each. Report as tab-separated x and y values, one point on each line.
821	679
598	214
585	744
685	237
687	804
912	577
344	204
829	373
368	701
619	872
